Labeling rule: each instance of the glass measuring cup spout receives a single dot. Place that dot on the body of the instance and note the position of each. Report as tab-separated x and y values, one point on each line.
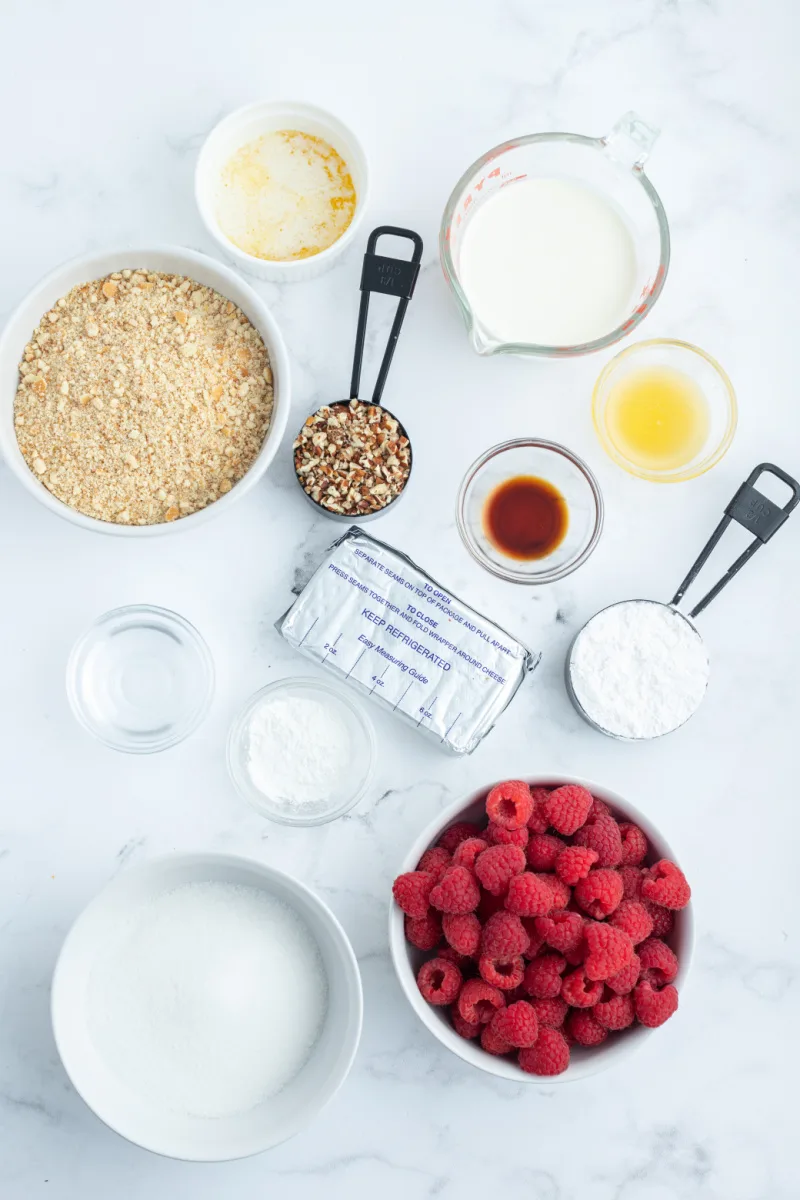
611	168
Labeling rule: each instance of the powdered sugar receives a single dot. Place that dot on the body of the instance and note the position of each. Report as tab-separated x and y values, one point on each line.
209	1000
299	749
638	669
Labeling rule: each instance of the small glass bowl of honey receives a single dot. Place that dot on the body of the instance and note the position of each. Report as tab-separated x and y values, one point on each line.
664	410
529	511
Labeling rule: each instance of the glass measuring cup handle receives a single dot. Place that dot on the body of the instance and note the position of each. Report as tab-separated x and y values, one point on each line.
393	277
751	509
630	141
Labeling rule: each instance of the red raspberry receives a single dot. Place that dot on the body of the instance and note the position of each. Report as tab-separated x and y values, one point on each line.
509	804
634	844
625	980
465	965
550	1012
580	992
504	936
457	833
529	896
663	919
425	932
516	1024
478	1000
456	892
583	1027
493	1044
543	976
538	822
503	973
614	1013
463	932
574	863
659	964
602	835
598	894
633	918
529	925
608	950
549	1055
599	809
497	866
467	851
542	851
561	893
561	930
665	884
489	905
463	1028
439	981
412	893
631	882
435	861
496	835
567	808
653	1007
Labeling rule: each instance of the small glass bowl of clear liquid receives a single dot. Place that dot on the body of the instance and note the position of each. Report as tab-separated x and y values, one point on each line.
140	679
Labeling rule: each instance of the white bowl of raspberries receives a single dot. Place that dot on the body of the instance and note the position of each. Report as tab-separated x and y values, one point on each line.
541	929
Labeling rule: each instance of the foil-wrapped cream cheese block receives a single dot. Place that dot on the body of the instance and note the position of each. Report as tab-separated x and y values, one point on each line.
386	628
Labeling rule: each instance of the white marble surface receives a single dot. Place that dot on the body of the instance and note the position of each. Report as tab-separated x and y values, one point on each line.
105	106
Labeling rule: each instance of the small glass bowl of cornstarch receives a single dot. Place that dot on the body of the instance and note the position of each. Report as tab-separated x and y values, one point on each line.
637	670
301	752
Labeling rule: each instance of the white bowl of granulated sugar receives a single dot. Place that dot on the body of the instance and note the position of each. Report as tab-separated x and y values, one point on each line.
206	1006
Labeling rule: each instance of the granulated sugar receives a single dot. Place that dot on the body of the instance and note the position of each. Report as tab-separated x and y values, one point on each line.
638	669
210	999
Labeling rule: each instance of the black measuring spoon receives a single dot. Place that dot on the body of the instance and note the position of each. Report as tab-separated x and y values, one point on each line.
393	277
749	508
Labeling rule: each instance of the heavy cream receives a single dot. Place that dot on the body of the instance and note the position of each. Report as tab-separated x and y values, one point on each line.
548	262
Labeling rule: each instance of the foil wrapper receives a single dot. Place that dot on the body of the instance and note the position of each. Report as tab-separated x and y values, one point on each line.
381	624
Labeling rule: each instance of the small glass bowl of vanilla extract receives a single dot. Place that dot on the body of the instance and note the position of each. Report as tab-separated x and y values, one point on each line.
529	511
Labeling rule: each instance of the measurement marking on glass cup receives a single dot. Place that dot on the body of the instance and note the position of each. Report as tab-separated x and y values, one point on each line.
308	631
330	647
402	697
355	664
427	713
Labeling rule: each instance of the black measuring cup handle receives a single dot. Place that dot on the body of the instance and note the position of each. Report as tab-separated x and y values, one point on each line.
751	509
393	277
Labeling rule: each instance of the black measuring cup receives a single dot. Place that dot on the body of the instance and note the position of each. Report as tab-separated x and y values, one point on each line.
749	508
393	277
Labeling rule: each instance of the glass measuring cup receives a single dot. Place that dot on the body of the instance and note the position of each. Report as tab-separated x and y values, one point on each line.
612	166
393	277
749	508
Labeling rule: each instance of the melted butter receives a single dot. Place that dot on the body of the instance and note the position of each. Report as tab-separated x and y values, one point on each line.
287	195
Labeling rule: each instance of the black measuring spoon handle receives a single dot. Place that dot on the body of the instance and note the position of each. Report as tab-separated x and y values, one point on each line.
751	509
393	277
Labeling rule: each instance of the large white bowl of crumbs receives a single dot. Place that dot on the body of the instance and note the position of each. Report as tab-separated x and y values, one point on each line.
142	390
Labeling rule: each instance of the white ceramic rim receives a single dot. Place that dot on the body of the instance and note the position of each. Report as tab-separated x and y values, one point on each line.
201	860
280	269
200	646
257	799
186	262
611	1052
